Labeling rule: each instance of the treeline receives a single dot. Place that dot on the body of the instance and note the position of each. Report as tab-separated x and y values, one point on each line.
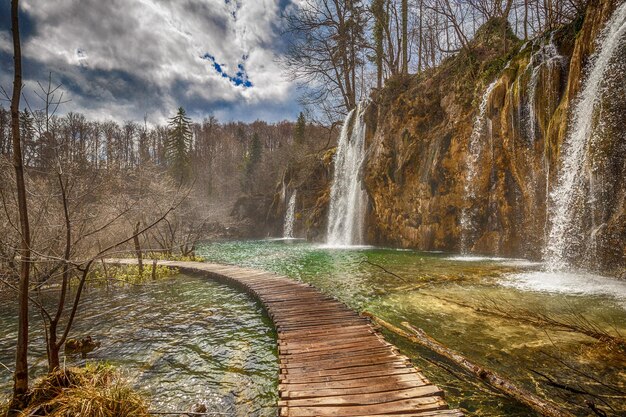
234	156
340	49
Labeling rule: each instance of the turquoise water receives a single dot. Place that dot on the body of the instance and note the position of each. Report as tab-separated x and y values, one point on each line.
186	339
182	340
440	293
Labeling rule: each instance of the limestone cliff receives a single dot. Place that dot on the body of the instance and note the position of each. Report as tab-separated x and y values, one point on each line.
451	166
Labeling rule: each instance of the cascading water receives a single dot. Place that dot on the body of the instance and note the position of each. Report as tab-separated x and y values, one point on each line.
348	200
471	161
542	65
573	189
547	56
290	216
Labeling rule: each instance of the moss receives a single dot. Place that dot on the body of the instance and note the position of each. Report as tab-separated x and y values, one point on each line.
129	274
161	256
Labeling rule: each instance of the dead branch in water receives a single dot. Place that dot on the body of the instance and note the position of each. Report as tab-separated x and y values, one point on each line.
581	325
578	391
492	379
386	270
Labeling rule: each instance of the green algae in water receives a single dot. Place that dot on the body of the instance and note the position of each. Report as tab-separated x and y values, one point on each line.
429	294
181	340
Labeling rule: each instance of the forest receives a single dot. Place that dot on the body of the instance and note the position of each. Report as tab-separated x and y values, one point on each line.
350	208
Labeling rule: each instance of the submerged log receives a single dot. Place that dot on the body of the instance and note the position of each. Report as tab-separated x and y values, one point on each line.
491	378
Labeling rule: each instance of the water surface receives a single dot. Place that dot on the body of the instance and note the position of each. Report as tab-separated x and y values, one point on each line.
182	340
440	293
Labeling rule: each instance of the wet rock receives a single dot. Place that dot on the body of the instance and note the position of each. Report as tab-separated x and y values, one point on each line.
418	145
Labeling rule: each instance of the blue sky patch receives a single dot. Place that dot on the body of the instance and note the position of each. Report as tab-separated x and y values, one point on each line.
239	79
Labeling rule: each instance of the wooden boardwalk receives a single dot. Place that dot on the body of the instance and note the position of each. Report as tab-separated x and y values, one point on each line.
333	362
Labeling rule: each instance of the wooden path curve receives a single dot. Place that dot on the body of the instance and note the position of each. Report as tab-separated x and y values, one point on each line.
333	362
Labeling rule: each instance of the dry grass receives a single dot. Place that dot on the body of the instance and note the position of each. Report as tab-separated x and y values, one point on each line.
93	391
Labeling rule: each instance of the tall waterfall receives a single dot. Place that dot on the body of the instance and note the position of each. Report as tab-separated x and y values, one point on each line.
348	200
574	187
474	151
290	216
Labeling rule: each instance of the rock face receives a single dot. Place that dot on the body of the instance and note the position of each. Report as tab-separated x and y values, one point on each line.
312	181
428	134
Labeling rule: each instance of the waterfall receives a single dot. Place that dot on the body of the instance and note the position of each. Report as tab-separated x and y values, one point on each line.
474	151
546	56
571	191
290	216
348	200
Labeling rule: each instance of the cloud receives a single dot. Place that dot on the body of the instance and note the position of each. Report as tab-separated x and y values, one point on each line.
122	59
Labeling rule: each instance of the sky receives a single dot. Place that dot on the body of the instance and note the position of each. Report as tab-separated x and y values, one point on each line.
126	59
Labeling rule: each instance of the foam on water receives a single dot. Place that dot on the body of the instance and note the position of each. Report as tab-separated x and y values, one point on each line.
498	259
570	283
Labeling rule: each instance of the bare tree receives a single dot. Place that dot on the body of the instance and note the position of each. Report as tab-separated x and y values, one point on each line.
405	37
20	386
326	52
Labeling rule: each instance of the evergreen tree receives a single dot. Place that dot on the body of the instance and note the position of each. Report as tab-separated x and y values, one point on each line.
27	131
178	145
253	157
299	131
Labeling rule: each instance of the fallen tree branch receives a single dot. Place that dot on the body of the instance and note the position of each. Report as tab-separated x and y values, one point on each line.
492	379
384	269
543	320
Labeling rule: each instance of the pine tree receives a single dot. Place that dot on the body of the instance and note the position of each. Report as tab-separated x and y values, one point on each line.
27	131
178	145
253	157
299	130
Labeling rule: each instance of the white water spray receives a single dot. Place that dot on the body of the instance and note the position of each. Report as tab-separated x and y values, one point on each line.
348	200
474	151
290	216
547	56
565	232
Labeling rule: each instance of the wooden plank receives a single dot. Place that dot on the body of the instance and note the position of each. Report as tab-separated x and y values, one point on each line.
368	388
393	407
353	383
361	399
295	378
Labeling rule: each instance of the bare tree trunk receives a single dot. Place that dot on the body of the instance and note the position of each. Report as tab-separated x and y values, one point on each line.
53	347
20	386
420	40
525	19
138	249
405	37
